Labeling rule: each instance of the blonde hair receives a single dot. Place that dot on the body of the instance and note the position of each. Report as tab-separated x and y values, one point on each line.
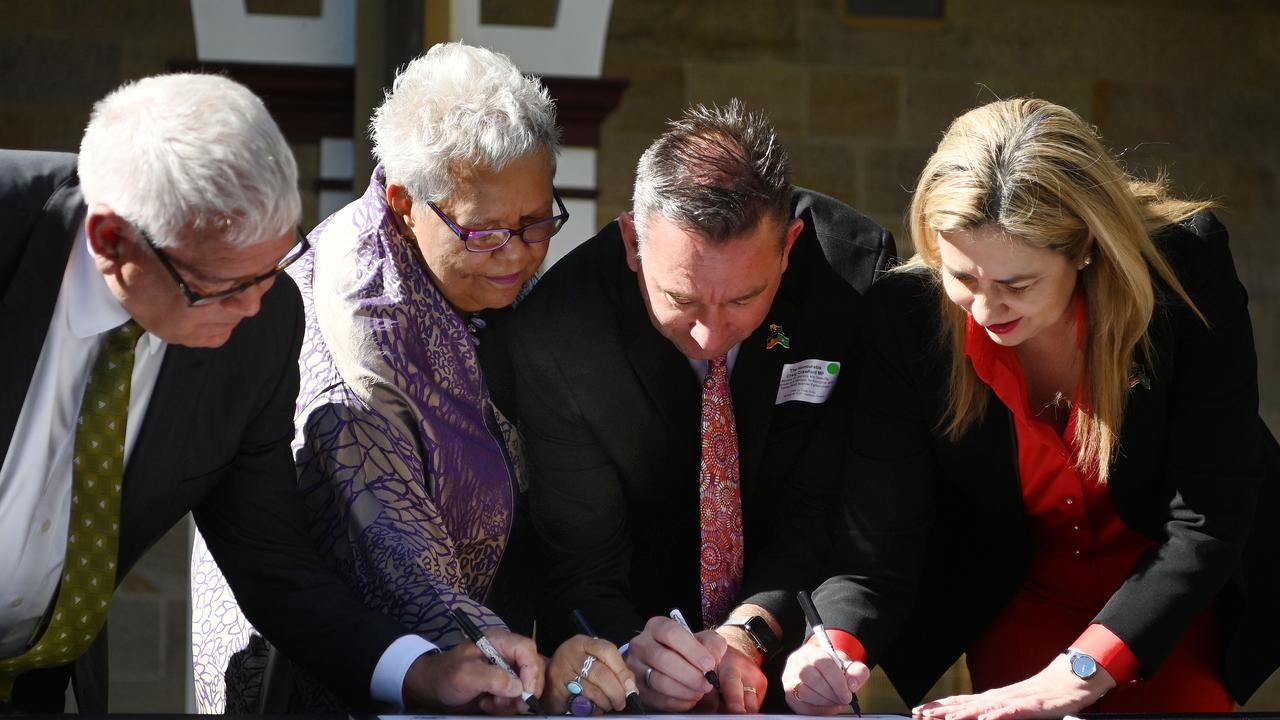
1038	172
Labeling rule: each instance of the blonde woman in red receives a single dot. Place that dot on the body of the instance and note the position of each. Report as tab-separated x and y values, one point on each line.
1057	459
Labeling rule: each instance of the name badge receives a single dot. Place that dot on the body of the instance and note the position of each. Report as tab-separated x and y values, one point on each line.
809	381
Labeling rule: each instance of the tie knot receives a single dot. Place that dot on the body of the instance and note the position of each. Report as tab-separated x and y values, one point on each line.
123	338
717	372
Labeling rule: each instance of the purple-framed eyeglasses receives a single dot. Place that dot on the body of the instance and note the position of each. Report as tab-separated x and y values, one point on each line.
491	239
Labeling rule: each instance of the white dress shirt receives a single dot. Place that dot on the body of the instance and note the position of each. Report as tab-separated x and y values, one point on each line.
35	480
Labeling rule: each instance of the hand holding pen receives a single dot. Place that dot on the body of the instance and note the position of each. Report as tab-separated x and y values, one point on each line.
818	679
494	657
671	664
633	704
710	675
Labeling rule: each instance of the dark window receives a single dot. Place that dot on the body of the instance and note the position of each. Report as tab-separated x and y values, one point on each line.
898	9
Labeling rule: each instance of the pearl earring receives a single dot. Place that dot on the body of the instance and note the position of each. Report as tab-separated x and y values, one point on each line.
1085	263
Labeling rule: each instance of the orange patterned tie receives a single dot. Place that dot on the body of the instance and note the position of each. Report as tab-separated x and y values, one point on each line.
719	498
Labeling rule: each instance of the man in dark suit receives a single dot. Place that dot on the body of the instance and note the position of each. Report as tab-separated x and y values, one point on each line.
155	263
679	379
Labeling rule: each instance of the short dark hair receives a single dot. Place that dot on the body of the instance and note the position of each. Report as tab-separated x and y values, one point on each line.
717	172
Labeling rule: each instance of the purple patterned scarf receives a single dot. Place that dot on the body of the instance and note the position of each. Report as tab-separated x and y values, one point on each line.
409	470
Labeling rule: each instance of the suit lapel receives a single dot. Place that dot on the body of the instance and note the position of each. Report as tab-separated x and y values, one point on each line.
664	373
26	307
160	447
754	386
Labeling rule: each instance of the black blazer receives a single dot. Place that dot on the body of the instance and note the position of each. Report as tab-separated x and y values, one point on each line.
938	538
215	441
610	411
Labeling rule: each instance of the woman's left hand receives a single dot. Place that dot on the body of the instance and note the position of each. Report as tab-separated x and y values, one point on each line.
1050	693
606	683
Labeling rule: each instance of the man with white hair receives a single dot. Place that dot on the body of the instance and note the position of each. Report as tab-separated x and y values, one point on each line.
150	371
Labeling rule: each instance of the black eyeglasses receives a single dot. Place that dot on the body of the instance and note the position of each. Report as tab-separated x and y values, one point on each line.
195	299
489	240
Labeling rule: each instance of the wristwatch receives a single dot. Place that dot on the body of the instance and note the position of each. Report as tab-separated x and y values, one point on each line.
1083	666
757	628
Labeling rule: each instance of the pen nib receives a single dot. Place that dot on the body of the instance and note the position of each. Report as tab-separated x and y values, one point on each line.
535	707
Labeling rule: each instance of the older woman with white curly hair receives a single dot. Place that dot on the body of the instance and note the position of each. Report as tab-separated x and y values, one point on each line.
413	476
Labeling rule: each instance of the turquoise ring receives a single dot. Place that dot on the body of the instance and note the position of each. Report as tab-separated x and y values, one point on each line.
574	686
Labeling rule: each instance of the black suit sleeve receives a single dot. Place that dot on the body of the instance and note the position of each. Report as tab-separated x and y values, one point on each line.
799	547
1212	464
887	497
255	527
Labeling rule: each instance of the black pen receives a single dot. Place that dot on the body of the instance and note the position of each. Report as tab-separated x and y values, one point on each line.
815	623
473	633
633	698
710	675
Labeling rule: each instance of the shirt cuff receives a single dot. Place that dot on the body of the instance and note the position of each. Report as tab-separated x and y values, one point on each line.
1109	651
387	684
845	642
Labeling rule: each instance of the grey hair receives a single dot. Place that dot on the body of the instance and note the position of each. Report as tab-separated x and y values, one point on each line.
717	172
190	155
458	106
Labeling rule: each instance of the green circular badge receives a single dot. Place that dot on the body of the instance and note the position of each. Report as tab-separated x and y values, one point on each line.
833	368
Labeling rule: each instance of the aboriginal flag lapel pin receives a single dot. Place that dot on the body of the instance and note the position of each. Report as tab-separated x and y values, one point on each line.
777	337
1138	376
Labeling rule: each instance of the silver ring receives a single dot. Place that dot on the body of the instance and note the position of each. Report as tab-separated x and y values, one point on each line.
586	666
748	688
648	673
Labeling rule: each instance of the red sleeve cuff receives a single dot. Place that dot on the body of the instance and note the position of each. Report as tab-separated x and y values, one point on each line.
845	643
1109	651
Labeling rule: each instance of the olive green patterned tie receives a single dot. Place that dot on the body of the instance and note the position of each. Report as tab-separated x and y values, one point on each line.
89	570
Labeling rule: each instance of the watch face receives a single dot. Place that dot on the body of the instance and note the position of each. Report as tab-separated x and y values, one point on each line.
759	631
1083	666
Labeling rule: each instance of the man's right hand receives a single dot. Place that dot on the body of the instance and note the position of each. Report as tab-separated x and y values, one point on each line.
678	660
463	680
816	685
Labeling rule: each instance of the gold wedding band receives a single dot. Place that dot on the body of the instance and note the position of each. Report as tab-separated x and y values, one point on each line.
748	688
